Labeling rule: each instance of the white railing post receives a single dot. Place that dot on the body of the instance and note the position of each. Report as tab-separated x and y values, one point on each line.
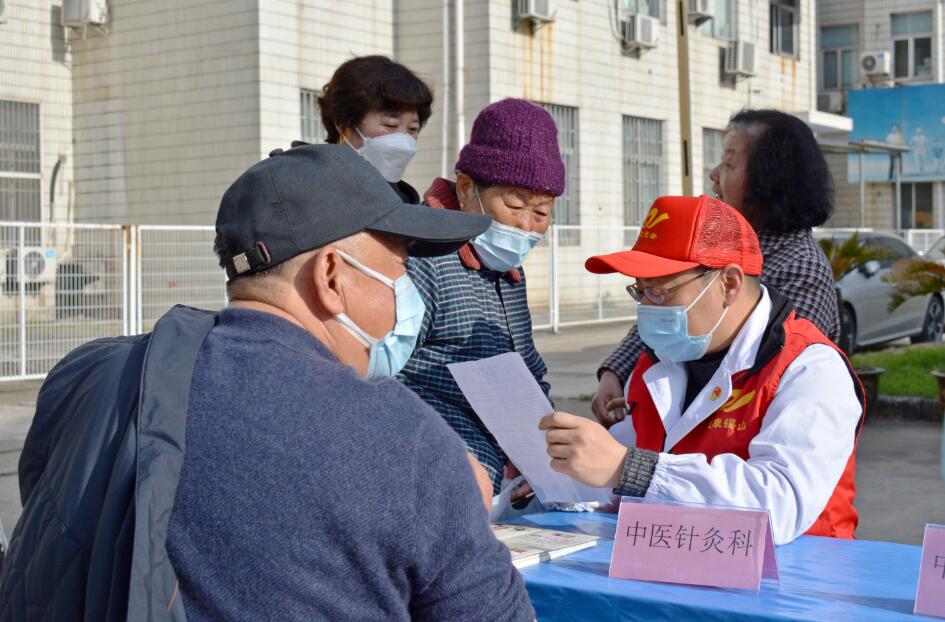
600	300
21	277
139	269
553	279
133	311
125	306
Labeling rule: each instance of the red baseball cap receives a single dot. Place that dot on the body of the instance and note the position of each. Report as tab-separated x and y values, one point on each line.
681	233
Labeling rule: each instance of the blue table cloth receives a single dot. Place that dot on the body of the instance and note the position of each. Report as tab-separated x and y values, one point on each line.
821	579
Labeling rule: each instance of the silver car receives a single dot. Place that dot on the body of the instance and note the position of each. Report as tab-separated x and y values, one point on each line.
936	252
864	296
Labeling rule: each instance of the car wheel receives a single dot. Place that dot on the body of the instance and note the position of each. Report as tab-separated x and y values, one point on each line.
934	323
847	330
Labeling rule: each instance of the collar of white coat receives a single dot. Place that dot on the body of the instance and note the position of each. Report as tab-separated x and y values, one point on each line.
666	381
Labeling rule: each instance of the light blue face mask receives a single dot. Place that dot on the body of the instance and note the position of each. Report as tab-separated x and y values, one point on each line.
501	247
666	330
390	353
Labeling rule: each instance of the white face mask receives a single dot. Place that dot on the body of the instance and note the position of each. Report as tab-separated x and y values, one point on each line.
390	153
501	247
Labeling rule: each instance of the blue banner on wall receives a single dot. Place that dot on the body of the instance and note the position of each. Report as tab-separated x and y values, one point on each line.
906	115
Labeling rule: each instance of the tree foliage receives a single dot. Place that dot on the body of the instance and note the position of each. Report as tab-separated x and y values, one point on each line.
914	277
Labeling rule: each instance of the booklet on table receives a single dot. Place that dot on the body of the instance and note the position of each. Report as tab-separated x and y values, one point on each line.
530	545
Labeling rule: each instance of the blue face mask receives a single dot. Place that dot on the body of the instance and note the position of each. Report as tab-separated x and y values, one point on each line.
666	330
390	353
501	247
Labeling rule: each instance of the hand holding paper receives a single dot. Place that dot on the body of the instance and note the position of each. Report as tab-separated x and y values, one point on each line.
510	403
583	449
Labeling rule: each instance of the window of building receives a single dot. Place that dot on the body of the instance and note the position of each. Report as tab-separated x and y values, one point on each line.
312	129
712	151
916	206
567	206
722	24
642	167
20	166
840	48
784	27
641	7
912	45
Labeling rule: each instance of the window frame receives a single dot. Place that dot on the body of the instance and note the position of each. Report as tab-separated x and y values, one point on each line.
912	208
24	175
710	162
839	51
709	26
310	120
635	204
568	205
910	39
777	7
660	10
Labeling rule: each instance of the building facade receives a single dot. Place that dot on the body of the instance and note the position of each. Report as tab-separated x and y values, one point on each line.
147	117
36	115
905	40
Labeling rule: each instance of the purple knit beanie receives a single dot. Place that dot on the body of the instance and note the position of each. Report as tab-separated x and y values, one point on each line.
514	143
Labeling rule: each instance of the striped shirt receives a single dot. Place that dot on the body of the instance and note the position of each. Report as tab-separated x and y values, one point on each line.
470	315
794	265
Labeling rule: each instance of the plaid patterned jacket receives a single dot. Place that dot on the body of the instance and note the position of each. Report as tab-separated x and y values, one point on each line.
795	266
470	315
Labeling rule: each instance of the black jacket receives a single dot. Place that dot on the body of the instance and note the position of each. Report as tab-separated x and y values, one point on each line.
98	476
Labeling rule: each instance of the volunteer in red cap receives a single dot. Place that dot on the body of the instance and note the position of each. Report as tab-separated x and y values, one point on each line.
736	401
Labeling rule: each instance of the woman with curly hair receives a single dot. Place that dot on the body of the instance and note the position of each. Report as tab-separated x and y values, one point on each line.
773	172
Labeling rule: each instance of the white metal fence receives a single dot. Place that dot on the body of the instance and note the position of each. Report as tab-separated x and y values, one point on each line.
562	293
63	285
175	265
922	239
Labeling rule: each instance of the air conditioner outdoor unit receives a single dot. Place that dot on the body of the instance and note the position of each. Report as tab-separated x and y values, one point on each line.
740	58
79	13
39	264
3	11
830	102
701	10
639	32
876	63
537	11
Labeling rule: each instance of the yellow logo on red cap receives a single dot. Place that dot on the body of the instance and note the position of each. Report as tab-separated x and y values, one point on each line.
652	219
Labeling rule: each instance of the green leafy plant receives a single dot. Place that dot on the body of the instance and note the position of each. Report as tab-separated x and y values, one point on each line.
845	255
914	277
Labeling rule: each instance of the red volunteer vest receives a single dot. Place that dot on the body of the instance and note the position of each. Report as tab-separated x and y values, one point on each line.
732	427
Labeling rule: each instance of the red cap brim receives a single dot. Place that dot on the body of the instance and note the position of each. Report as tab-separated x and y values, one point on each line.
638	265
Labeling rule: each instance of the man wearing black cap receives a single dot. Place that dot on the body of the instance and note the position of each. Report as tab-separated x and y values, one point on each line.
258	463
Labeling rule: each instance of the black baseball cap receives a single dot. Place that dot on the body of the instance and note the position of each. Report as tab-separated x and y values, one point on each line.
309	196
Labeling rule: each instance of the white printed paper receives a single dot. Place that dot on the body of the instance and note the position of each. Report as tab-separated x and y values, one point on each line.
510	403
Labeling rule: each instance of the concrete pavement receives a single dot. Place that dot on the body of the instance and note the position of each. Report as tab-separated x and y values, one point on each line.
899	488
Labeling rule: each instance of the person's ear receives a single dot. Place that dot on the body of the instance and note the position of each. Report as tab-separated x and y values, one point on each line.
733	280
466	192
327	281
348	135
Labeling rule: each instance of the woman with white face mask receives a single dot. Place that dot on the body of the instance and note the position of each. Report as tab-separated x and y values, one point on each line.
377	107
475	299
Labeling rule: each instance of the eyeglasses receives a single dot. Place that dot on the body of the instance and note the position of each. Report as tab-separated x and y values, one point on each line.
657	295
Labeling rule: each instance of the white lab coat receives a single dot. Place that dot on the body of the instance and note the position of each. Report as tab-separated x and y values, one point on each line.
796	459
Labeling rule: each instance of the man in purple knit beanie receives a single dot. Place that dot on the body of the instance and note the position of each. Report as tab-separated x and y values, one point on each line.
514	143
475	298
